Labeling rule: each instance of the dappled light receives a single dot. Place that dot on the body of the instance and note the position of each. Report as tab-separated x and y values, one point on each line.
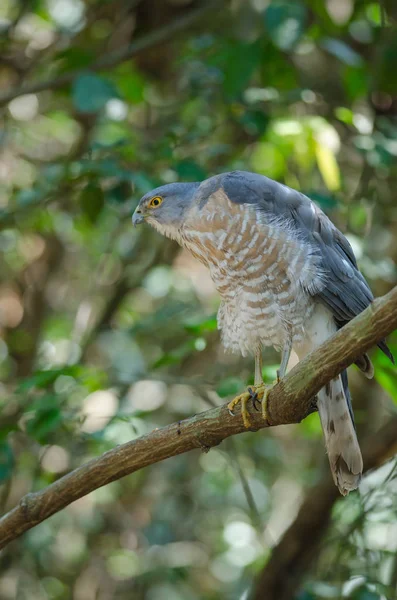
108	333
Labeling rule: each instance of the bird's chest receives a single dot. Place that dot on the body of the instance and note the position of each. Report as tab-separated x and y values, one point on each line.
259	279
271	316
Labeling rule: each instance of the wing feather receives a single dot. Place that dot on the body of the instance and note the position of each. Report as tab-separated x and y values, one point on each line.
346	292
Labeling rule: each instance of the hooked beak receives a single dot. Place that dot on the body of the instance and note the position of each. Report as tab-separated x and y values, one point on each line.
137	217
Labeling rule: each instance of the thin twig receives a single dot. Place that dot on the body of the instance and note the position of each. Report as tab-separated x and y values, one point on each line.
118	56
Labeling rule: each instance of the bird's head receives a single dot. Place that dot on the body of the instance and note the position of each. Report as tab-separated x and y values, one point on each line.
165	207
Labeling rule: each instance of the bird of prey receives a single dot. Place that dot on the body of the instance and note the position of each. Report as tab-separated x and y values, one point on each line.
287	277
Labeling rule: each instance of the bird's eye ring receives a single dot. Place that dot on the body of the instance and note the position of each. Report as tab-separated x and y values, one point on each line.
155	202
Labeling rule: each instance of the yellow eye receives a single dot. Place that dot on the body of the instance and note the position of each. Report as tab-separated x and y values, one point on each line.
155	202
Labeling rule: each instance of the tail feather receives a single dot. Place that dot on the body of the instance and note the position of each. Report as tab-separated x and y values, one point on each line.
365	365
341	442
386	350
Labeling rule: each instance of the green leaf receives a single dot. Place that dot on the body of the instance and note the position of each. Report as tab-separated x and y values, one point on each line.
231	386
202	325
176	356
254	122
326	201
285	23
74	58
305	596
355	80
130	83
92	201
6	461
42	379
344	114
328	166
267	159
238	61
387	378
364	593
90	92
190	170
44	423
119	193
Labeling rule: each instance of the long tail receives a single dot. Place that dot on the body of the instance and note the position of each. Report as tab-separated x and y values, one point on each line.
340	436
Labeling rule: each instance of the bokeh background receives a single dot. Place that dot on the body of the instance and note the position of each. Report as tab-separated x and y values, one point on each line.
108	332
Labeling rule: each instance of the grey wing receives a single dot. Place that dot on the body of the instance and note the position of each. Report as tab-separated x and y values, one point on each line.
346	292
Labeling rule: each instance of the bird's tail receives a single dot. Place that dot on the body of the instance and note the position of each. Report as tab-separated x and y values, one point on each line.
340	435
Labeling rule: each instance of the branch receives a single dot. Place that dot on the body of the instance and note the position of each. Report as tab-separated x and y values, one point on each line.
112	59
292	557
288	402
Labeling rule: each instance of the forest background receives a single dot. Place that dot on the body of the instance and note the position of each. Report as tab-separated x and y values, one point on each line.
109	332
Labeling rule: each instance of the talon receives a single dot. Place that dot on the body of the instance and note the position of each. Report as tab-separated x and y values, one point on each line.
254	398
263	391
257	394
241	399
255	403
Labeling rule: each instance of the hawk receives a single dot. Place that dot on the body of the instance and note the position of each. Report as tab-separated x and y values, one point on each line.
287	278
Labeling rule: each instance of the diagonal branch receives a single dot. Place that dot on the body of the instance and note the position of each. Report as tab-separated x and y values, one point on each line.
112	59
288	402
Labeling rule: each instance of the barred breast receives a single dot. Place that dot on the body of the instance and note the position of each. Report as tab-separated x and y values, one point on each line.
261	269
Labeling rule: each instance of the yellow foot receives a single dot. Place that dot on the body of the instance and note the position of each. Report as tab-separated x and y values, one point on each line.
258	393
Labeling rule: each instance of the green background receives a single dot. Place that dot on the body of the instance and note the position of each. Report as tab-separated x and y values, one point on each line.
108	332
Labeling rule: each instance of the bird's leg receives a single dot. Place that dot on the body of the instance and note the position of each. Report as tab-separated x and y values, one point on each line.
260	388
258	378
258	392
284	360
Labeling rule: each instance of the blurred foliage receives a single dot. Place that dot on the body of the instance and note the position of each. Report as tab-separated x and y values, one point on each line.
108	332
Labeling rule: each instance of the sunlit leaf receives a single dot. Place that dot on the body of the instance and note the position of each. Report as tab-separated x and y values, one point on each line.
267	159
328	167
387	377
200	326
130	83
42	379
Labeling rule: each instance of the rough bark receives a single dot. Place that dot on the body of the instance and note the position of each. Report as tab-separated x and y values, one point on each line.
288	402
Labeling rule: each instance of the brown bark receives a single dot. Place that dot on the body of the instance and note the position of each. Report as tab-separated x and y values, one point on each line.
288	402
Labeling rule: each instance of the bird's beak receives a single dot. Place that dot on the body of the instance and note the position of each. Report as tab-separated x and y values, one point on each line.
137	217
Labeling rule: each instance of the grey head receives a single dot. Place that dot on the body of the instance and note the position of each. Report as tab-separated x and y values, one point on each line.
165	207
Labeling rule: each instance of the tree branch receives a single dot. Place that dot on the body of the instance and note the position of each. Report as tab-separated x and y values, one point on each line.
288	402
112	59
